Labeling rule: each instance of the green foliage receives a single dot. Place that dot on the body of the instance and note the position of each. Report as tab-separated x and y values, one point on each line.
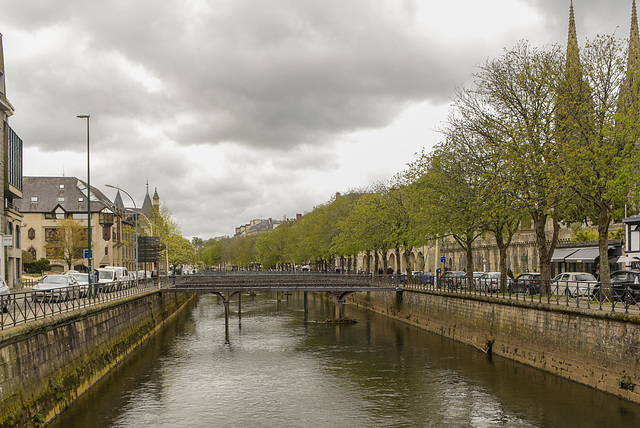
581	234
68	241
37	266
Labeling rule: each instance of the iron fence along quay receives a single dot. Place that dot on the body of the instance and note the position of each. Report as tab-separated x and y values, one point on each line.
599	296
25	306
22	307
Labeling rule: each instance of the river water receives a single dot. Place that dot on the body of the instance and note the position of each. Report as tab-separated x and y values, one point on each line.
282	368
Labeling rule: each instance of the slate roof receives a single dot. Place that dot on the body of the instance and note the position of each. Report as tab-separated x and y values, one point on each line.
63	191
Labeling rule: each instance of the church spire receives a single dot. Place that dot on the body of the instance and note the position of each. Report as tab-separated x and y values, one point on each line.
628	92
573	51
634	41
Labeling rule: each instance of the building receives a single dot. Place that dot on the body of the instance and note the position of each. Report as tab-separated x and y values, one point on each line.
256	226
11	183
47	200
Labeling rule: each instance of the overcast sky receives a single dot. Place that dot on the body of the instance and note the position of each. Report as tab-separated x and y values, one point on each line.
243	109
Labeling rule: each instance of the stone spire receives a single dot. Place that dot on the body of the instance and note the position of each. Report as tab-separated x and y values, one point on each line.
634	41
156	199
573	51
574	96
118	202
147	205
627	91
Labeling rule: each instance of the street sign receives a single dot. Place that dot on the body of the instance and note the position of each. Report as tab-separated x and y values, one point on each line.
86	254
148	249
443	259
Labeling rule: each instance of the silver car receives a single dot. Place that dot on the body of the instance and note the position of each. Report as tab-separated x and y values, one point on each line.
5	295
83	282
574	284
56	287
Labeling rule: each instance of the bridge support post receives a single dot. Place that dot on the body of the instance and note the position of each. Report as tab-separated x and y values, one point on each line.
226	321
306	302
339	305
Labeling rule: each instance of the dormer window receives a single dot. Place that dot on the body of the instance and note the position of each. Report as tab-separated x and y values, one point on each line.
62	186
34	199
80	199
61	199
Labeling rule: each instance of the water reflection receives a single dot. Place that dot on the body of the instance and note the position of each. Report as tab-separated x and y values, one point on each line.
281	368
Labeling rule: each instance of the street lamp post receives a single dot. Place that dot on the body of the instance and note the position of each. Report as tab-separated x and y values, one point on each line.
136	221
89	258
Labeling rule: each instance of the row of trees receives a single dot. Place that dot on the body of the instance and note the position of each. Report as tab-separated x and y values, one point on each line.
541	137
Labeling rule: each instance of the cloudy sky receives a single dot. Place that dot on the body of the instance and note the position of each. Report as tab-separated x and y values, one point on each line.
243	109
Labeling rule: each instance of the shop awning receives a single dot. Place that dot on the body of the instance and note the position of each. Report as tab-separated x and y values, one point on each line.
583	255
559	254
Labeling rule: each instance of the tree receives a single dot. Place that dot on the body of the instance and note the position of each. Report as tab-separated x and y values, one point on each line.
450	200
516	96
68	242
599	125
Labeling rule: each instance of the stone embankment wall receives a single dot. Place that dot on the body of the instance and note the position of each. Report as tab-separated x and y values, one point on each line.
600	349
46	364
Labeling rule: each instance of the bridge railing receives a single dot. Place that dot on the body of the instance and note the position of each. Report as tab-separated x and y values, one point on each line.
310	279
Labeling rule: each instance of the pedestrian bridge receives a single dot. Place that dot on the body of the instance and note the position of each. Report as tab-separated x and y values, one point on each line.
228	285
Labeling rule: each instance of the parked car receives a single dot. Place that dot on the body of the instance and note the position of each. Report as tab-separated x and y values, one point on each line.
5	295
476	278
527	283
83	282
453	279
625	285
107	279
421	277
573	284
489	281
56	287
143	274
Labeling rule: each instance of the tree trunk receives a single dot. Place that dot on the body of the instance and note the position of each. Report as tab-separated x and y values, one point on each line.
469	268
545	251
376	263
603	243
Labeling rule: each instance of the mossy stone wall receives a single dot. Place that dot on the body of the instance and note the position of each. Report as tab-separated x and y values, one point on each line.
600	349
46	364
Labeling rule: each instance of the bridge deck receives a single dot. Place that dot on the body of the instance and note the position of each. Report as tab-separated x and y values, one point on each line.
280	282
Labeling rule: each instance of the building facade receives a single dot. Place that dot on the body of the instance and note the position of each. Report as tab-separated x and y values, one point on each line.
48	200
11	183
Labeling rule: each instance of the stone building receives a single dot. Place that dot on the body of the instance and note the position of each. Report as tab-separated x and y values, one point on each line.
47	200
11	183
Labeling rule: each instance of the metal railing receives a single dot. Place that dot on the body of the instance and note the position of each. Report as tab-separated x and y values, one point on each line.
617	297
30	305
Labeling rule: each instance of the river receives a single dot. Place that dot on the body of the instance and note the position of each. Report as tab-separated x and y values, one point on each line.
283	366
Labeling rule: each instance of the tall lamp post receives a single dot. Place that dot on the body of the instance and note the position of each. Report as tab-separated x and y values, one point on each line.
136	221
89	258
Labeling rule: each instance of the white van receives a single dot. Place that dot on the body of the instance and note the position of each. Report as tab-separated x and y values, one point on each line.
122	274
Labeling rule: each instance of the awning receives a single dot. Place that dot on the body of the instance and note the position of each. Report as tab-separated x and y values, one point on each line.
583	255
559	254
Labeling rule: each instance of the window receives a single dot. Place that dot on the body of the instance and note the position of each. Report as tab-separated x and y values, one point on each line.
33	253
80	199
106	250
61	199
50	234
79	216
106	233
62	186
34	199
31	233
